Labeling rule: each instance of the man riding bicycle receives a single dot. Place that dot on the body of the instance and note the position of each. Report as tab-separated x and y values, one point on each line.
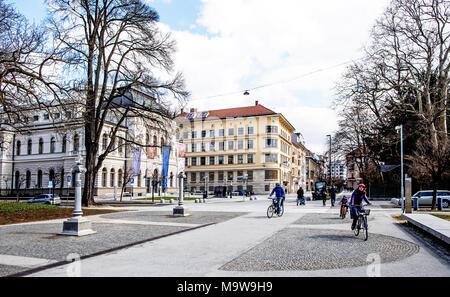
279	194
356	203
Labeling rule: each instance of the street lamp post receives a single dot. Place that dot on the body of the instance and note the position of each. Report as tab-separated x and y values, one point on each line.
77	225
402	191
329	166
180	210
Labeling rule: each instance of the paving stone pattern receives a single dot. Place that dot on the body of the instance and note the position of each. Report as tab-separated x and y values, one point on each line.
325	219
308	249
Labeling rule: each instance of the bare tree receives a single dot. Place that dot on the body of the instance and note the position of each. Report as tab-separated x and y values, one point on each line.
115	54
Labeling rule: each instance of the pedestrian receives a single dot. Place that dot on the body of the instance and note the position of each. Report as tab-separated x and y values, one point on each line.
300	194
323	194
332	195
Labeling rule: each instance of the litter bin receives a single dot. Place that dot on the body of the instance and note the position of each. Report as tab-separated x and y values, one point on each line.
415	203
439	203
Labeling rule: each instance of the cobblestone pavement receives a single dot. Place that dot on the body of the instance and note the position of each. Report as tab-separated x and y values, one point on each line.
306	249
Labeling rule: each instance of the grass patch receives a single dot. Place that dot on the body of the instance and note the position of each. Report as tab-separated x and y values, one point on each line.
399	218
442	216
15	213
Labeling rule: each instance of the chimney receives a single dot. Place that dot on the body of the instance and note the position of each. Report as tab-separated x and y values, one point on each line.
257	102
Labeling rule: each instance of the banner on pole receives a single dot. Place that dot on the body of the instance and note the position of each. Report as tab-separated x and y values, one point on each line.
151	152
182	150
166	159
137	161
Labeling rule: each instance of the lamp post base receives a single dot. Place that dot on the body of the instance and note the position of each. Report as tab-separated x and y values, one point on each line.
77	226
180	211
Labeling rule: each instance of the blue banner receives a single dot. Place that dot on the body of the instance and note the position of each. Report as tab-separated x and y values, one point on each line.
166	158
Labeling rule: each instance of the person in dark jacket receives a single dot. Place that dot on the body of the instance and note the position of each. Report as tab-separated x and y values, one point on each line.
300	194
356	203
323	195
279	194
332	195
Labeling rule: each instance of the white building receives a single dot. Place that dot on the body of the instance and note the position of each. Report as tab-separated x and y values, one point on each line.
46	152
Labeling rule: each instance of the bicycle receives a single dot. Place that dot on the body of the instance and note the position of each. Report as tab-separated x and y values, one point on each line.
344	209
362	224
273	208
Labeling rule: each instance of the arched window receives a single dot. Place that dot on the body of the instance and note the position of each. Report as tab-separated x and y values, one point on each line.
51	175
104	177
52	145
112	178
147	138
76	143
28	180
19	144
119	178
39	179
120	145
41	146
162	141
17	180
139	178
104	141
64	144
30	147
155	140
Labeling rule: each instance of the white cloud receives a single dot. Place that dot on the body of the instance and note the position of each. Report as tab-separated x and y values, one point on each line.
257	42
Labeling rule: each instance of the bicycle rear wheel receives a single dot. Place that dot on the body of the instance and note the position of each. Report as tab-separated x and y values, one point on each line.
357	227
365	229
270	211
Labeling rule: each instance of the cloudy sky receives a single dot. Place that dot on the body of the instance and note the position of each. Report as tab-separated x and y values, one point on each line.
288	53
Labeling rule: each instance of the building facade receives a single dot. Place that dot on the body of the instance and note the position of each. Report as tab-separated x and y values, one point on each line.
41	159
246	148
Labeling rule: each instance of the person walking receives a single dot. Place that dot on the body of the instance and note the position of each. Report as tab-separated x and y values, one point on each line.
332	195
323	194
300	195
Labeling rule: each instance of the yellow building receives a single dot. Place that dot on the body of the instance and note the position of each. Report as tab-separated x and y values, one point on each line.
245	148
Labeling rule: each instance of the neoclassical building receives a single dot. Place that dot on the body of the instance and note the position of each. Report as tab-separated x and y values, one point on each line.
41	159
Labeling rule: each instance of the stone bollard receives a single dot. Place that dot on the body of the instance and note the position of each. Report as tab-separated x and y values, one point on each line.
196	200
171	201
204	200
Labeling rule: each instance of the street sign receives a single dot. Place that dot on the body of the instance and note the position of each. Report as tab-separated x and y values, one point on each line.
69	178
132	181
50	184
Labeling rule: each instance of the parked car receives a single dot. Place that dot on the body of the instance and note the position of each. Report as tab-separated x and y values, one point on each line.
426	197
239	193
52	199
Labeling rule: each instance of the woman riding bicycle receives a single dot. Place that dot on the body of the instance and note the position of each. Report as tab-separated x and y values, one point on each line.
279	194
356	203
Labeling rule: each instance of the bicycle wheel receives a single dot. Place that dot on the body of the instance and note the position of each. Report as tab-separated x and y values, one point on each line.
342	214
365	228
357	227
270	211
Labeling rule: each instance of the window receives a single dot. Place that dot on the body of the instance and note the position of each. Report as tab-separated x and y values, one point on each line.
52	145
211	177
119	178
17	180
212	160
194	161
64	144
221	160
221	146
194	134
193	177
39	179
230	145
212	133
112	178
41	146
271	158
267	188
231	132
220	176
240	159
46	117
185	135
28	180
271	142
250	144
19	144
240	131
193	147
120	145
36	118
155	140
212	146
202	176
57	115
271	129
250	131
240	144
271	175
222	132
203	133
230	175
30	147
203	147
250	175
230	159
250	159
202	161
104	177
76	143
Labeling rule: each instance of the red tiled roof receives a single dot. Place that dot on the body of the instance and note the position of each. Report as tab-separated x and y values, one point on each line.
254	110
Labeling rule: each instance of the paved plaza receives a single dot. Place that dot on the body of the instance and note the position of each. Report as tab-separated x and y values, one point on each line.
223	238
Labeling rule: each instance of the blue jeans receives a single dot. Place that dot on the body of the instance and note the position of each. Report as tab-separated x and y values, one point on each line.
278	200
354	211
